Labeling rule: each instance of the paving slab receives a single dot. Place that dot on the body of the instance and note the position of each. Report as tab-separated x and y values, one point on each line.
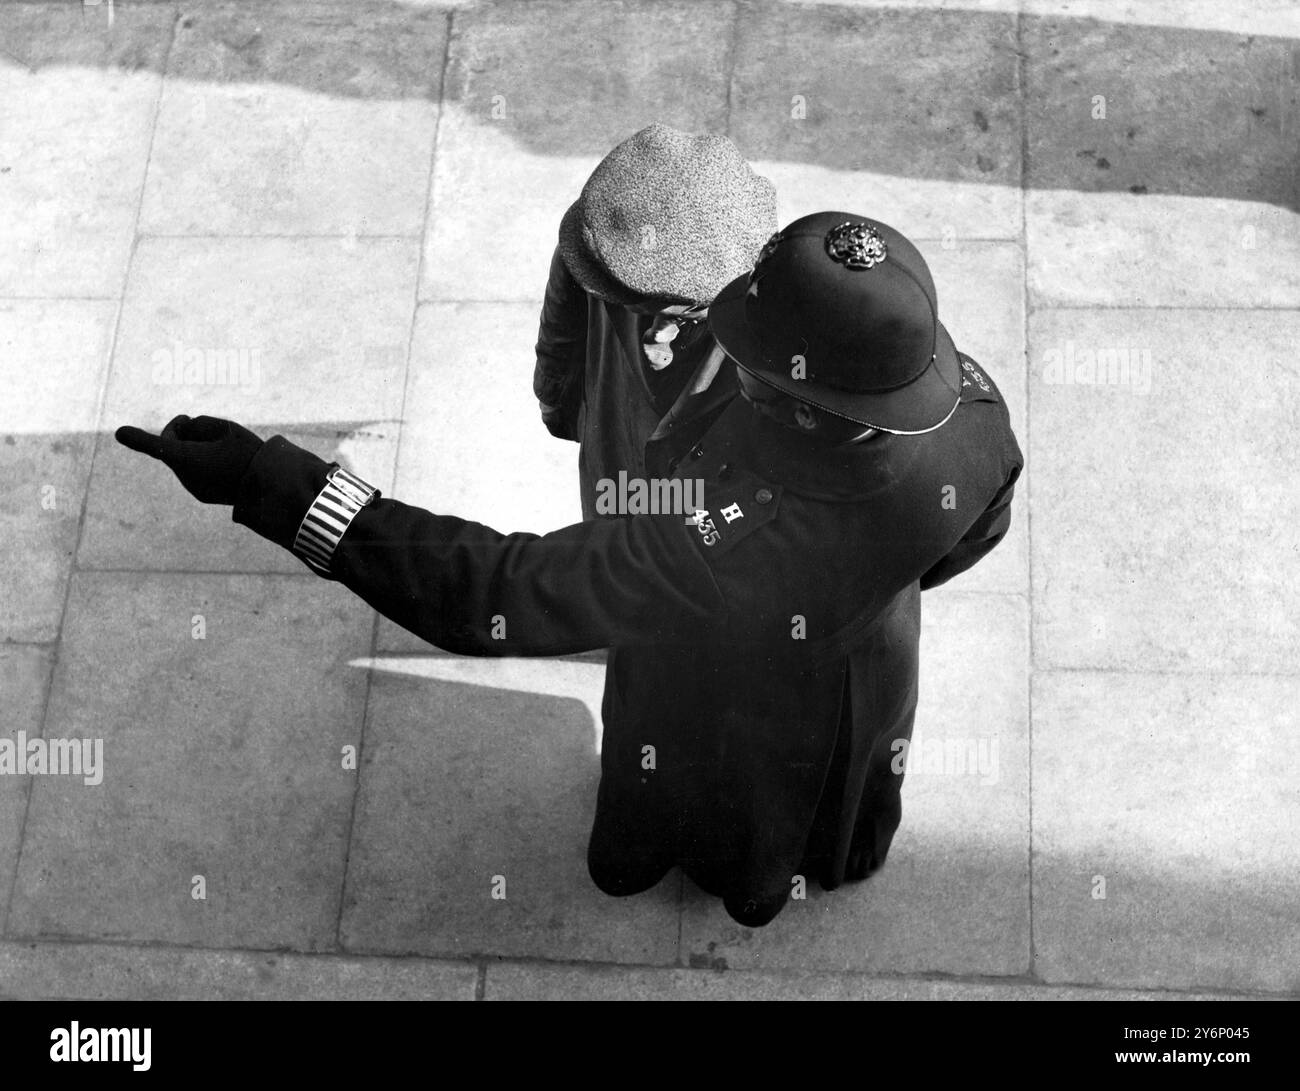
932	147
53	363
305	337
1121	250
474	444
954	894
1228	138
222	758
469	791
24	680
1164	522
1153	206
72	158
535	97
539	981
1165	811
980	287
300	119
1276	17
99	971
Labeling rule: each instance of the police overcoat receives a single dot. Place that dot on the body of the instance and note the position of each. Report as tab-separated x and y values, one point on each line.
591	374
735	637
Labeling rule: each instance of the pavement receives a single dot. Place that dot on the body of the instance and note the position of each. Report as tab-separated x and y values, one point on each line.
333	220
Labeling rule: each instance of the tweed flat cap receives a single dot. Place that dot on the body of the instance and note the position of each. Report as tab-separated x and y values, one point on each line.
667	215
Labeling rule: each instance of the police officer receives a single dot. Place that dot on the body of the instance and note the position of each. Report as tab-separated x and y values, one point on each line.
765	651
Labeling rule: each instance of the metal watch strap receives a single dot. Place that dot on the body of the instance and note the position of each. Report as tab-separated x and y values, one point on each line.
330	515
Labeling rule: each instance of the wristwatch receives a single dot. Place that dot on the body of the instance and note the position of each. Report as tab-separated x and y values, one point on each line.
330	515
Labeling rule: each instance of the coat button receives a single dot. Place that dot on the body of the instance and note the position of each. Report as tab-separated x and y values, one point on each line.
763	496
697	452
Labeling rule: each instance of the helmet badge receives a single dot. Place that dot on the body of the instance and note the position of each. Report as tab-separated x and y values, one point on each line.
858	246
769	248
764	256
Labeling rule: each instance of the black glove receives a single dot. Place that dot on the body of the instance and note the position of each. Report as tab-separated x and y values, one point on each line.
209	455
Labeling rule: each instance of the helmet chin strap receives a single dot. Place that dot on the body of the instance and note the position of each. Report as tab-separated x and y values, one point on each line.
763	406
862	436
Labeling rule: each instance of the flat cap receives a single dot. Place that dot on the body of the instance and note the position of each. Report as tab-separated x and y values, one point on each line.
667	215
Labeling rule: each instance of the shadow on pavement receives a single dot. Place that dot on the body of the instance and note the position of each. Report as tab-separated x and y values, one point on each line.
916	93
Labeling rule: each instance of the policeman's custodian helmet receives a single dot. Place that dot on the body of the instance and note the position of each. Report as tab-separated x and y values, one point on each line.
840	312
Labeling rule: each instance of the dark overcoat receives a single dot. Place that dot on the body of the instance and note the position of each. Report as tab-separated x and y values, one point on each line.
762	655
595	387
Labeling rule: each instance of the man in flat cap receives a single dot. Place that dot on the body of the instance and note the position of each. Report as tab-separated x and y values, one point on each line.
623	353
763	652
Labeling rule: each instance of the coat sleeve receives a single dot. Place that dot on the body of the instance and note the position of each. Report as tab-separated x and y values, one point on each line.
473	591
561	351
986	532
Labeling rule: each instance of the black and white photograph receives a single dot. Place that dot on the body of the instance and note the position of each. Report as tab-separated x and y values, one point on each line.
651	500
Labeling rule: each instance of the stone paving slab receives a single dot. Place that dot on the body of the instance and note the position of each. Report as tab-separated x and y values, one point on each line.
980	287
306	337
1274	17
99	971
1164	522
935	141
535	96
953	896
539	981
72	159
473	362
1118	250
312	119
466	790
53	363
1153	206
96	971
222	757
1175	797
24	682
1227	138
473	443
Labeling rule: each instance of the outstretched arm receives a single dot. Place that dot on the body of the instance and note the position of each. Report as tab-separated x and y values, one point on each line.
459	584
